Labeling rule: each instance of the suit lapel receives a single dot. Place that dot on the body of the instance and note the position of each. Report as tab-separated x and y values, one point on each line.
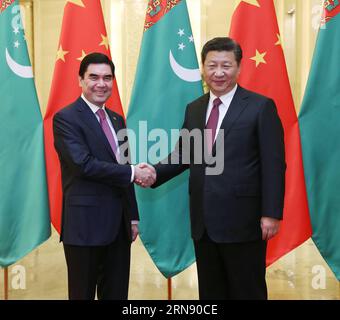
237	105
115	123
201	111
200	119
91	121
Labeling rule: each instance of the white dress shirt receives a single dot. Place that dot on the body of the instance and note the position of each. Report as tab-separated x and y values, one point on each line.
223	107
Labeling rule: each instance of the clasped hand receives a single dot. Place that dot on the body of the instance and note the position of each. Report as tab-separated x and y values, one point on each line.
145	175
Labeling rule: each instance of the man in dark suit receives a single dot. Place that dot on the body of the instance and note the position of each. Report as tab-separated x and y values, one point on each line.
100	215
235	209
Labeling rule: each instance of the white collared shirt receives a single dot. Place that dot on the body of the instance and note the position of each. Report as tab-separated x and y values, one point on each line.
223	108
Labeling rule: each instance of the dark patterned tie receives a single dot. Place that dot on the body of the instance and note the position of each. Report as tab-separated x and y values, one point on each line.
212	124
106	128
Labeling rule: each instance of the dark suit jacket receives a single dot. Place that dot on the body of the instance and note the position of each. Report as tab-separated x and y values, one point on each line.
97	192
229	206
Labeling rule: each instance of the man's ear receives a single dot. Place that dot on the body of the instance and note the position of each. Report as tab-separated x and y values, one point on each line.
80	79
202	72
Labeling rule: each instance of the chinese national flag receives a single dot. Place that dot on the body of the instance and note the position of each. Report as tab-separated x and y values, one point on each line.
83	31
255	27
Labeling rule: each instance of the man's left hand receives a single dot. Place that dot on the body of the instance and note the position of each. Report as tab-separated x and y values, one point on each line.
270	227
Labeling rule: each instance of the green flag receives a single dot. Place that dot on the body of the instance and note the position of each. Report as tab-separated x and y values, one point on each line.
320	135
24	214
167	79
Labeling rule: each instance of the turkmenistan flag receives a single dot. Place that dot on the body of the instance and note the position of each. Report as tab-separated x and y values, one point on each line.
24	213
167	79
320	134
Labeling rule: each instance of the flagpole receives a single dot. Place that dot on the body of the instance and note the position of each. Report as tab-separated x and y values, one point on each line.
6	283
169	289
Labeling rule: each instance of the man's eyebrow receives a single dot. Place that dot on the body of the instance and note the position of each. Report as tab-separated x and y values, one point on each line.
96	75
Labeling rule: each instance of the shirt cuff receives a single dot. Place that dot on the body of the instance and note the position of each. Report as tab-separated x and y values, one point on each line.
132	173
134	221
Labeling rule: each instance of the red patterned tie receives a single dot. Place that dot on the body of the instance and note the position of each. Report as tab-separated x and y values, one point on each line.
106	128
212	124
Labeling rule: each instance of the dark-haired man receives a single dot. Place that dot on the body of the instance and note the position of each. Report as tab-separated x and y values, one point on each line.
235	211
100	213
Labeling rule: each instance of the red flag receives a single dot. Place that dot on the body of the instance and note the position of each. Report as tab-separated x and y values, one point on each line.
255	27
83	31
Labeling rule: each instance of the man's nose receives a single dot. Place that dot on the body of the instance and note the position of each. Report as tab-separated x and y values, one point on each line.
219	72
100	82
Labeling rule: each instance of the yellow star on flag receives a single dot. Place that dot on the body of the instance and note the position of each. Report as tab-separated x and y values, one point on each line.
83	54
77	2
252	2
279	40
105	41
61	53
259	58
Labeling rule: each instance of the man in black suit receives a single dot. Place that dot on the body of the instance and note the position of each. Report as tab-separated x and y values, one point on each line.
235	209
100	215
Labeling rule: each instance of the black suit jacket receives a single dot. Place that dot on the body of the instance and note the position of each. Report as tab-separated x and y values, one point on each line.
229	205
97	191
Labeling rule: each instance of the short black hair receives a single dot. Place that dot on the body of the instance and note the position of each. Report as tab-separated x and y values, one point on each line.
222	44
95	58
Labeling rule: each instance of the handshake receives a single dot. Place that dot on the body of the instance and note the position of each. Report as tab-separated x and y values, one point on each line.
145	175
